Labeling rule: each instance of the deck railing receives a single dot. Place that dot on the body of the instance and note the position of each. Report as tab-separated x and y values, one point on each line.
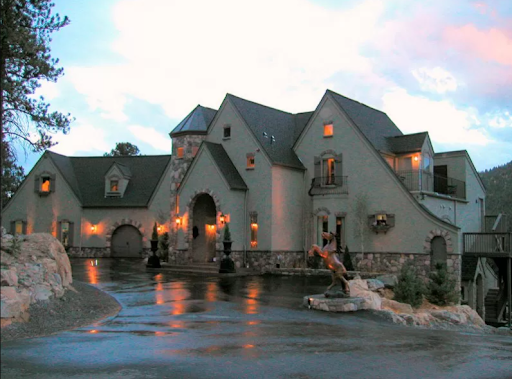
488	244
416	180
329	185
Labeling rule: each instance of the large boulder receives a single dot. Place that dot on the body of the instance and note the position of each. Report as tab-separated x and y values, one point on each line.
359	288
395	306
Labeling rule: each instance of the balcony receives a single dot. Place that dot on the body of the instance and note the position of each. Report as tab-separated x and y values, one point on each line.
489	245
416	180
329	185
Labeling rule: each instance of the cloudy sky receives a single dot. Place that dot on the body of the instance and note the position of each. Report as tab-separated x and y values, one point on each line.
135	68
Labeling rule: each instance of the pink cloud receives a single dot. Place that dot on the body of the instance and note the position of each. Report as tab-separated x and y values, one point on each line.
491	45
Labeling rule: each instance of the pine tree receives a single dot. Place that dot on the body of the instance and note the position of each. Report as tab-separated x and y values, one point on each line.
441	287
12	174
123	149
409	288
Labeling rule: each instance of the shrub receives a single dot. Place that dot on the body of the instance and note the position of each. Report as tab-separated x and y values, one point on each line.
409	288
163	247
227	233
347	260
154	235
441	287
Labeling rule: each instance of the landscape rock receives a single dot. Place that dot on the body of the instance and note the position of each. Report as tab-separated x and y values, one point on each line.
9	277
374	284
389	280
359	288
396	306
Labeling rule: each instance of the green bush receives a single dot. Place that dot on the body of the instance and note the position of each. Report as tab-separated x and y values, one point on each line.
154	235
347	260
441	287
163	247
409	288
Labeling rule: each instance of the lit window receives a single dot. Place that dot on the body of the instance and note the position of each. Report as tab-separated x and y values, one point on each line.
64	233
227	132
328	130
381	219
18	227
45	184
181	151
254	229
322	226
114	185
329	171
250	161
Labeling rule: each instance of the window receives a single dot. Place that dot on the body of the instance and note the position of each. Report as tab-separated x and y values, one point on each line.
114	185
340	229
180	151
250	161
427	164
329	171
18	227
381	221
45	184
227	132
328	130
322	226
254	229
65	232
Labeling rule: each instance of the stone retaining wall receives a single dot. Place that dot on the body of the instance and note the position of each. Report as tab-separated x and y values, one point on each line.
98	252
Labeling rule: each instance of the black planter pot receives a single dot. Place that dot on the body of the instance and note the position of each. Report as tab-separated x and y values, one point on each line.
154	245
227	247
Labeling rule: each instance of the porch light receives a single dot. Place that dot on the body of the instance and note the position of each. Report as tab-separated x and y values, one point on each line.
416	158
222	218
94	228
159	228
178	221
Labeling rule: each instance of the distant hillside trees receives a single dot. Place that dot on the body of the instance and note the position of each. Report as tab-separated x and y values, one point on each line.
123	149
498	182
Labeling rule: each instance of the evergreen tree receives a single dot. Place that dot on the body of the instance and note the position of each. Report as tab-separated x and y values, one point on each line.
123	149
441	288
12	174
347	260
25	62
409	288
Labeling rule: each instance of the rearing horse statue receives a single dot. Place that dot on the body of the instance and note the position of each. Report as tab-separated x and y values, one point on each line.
328	253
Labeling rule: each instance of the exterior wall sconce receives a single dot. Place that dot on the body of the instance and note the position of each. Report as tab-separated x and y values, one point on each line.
159	228
178	221
416	158
94	228
222	218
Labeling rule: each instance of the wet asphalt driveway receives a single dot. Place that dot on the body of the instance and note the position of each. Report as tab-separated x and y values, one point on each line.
178	326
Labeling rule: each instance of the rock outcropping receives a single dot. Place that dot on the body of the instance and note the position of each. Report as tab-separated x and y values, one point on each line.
33	268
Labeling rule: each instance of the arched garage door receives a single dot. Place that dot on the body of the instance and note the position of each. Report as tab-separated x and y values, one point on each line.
126	242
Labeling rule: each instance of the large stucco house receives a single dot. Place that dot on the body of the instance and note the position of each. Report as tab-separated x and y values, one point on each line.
279	179
97	206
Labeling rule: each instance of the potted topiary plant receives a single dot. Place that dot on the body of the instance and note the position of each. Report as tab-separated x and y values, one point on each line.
227	265
154	239
227	240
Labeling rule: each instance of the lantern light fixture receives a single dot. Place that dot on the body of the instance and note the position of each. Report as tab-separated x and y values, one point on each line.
178	221
94	228
222	218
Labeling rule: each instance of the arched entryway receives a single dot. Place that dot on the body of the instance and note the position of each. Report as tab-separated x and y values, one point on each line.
438	245
480	295
126	242
204	229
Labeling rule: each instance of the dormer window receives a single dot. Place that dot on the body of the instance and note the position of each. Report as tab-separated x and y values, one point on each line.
114	186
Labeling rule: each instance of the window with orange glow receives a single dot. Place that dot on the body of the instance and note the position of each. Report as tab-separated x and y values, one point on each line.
254	229
328	130
329	171
114	185
180	152
18	229
45	184
250	161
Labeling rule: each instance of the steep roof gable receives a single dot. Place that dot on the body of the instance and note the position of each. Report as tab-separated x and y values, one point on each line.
374	124
226	166
407	143
196	121
266	122
86	177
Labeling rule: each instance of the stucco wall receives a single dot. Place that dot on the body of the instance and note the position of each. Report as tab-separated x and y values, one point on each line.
42	213
367	174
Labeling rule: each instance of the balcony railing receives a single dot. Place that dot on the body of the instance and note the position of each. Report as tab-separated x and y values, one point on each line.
329	185
493	245
415	180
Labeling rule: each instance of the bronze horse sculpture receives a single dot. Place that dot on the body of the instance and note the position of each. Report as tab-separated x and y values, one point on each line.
328	253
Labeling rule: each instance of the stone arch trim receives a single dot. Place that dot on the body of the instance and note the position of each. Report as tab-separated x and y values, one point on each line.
190	211
427	246
122	222
317	211
328	152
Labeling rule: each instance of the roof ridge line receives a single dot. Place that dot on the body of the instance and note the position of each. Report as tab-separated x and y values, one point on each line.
355	101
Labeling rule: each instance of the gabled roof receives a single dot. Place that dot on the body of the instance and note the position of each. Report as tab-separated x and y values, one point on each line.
266	122
374	124
124	169
196	121
226	166
86	177
408	143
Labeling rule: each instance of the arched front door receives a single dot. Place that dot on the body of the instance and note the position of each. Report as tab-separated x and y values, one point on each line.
439	255
204	236
126	242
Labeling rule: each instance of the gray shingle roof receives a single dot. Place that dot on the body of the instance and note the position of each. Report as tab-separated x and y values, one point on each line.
282	125
374	124
86	177
407	143
196	121
226	166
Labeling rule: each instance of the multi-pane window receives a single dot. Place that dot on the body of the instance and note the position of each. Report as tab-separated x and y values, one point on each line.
328	130
329	171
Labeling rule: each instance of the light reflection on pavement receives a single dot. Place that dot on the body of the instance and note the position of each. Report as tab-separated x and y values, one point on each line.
179	326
